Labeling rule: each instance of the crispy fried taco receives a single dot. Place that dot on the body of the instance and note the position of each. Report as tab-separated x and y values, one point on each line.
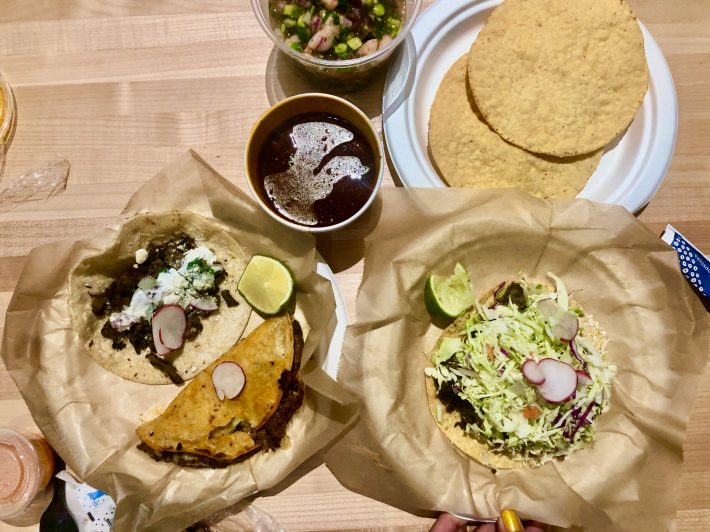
161	302
239	405
520	378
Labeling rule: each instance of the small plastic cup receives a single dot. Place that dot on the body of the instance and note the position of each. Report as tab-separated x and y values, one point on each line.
26	470
347	74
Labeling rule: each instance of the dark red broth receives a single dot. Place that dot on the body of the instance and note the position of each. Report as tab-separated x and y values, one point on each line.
316	170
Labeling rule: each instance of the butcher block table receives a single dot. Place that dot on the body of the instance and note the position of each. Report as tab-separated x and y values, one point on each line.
121	87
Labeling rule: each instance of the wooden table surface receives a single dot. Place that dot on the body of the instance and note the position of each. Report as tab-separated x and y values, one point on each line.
121	87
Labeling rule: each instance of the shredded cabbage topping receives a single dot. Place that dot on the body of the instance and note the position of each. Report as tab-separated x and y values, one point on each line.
482	366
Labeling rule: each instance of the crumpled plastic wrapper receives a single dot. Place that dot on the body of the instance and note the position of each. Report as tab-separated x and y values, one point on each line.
40	183
89	415
627	278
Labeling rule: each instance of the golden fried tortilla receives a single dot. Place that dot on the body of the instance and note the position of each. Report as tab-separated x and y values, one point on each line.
468	153
560	77
199	429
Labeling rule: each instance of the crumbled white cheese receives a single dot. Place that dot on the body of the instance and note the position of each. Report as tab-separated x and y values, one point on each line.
172	287
142	305
141	256
122	321
200	252
172	282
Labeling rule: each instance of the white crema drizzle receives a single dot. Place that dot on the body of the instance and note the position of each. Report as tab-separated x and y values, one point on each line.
296	190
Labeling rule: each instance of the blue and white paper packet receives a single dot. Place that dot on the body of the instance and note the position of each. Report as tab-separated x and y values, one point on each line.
694	265
92	510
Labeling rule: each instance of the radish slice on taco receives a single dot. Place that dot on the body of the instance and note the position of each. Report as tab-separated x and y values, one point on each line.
160	303
521	377
239	405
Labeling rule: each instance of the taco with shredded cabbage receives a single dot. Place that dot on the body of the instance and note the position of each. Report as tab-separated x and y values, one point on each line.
521	377
161	302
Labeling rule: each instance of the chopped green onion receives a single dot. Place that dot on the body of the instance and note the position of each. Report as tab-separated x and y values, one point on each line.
393	24
292	11
289	23
354	43
303	34
305	20
341	49
297	46
378	10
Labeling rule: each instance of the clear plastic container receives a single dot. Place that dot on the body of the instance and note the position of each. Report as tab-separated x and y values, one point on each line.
349	73
26	470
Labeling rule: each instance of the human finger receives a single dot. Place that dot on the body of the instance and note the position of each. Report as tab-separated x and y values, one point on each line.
448	523
535	526
509	522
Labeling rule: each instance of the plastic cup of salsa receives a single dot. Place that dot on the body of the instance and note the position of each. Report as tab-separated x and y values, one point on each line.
349	73
26	469
271	149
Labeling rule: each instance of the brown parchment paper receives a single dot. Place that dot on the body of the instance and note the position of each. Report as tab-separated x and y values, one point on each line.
89	415
629	281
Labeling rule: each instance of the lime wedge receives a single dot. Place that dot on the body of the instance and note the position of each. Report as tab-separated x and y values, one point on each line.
266	284
448	297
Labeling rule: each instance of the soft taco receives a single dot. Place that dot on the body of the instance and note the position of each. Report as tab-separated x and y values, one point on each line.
161	302
239	405
521	377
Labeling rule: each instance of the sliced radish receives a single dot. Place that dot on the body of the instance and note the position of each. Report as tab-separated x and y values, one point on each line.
565	326
228	380
583	377
160	347
547	308
170	324
206	305
560	380
575	353
531	372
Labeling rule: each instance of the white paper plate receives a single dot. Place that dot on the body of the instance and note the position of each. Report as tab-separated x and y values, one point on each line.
631	170
332	342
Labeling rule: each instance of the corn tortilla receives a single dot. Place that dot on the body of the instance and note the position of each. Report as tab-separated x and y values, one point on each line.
95	273
560	77
469	154
197	423
476	448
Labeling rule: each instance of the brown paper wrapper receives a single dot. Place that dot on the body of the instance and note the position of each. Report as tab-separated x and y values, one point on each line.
89	415
630	282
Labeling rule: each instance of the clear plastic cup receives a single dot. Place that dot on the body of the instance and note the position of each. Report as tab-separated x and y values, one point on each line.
26	470
346	74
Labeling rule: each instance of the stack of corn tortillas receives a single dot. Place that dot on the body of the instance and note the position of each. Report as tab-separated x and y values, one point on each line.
546	86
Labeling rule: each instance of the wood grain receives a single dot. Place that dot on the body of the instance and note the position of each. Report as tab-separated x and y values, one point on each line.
120	87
